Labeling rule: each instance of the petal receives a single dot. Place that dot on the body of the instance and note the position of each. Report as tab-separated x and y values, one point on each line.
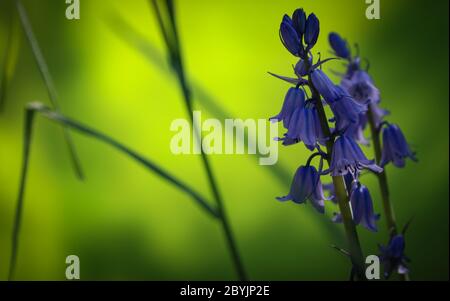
294	125
284	198
324	85
337	218
301	188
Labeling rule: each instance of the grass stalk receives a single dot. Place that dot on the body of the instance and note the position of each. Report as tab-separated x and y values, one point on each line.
10	56
48	81
174	49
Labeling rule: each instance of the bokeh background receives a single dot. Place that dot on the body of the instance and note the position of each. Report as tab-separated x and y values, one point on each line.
126	223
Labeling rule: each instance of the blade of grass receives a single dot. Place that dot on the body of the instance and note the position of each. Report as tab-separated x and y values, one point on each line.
10	56
29	115
174	49
51	90
46	112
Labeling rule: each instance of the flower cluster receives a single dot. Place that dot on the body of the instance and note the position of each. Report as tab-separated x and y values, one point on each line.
395	149
304	118
358	83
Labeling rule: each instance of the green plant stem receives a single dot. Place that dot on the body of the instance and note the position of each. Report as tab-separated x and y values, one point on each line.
30	112
382	179
388	207
51	90
8	59
29	115
174	48
356	254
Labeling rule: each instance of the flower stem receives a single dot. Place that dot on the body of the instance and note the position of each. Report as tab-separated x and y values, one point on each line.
356	254
388	207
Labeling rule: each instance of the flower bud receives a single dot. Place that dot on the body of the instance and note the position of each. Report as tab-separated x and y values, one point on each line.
289	36
312	29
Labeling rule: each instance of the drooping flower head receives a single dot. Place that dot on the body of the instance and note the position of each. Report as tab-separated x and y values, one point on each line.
392	256
347	112
362	208
306	185
295	98
324	85
305	126
347	157
361	87
395	147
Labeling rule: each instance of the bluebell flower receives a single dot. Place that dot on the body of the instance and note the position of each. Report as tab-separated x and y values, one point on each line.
312	30
289	36
301	69
356	130
306	185
395	147
339	45
299	21
305	126
393	256
324	85
361	87
346	111
362	208
347	157
295	98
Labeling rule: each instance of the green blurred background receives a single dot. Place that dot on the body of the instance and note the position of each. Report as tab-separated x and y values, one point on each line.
126	223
